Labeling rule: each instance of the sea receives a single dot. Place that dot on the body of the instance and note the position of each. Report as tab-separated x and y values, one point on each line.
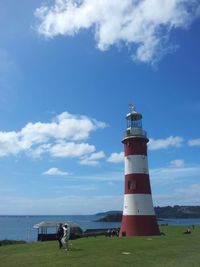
20	227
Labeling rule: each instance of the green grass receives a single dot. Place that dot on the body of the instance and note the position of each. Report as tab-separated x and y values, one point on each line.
172	250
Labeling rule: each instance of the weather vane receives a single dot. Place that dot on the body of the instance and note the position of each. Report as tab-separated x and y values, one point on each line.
132	108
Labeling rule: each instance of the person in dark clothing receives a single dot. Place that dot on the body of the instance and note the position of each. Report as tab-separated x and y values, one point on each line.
60	233
188	231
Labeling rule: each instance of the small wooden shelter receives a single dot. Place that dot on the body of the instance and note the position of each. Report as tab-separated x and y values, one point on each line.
47	230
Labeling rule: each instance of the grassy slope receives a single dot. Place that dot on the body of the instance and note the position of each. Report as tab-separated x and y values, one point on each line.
172	250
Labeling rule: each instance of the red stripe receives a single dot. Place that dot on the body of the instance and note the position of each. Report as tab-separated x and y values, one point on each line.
137	184
135	146
133	225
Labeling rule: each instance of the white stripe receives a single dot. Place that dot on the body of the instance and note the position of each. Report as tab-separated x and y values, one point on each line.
138	204
136	164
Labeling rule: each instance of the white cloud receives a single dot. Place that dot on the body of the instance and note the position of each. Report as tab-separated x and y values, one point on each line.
172	141
177	163
9	143
179	181
194	142
173	174
37	152
70	149
93	159
116	157
64	126
190	192
55	172
183	196
143	24
60	138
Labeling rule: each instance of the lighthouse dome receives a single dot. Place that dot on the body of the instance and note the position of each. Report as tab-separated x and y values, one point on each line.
133	115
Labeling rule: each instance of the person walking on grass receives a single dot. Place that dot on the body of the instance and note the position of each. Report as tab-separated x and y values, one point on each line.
65	239
60	233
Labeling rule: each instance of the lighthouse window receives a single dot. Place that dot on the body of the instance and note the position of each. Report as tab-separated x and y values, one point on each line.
131	185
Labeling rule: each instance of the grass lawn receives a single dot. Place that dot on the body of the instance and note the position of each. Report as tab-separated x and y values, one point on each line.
171	250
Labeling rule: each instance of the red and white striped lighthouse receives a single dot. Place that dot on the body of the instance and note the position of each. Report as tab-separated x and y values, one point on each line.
138	212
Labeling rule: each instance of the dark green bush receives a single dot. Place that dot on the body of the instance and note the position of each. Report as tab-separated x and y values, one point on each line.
11	242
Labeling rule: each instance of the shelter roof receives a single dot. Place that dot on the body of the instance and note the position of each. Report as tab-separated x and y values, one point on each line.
53	224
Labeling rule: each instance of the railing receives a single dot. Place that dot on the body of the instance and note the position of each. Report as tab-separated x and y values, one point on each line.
135	132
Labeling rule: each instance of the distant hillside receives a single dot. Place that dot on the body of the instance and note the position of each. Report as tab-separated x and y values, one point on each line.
108	212
178	212
167	212
114	217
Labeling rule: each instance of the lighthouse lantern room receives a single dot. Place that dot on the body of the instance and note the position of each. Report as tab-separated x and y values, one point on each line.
138	212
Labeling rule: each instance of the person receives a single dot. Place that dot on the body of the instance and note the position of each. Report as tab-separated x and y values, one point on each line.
108	233
60	233
65	237
188	231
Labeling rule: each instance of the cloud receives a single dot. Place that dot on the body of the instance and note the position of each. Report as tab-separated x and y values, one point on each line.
194	142
172	141
37	152
59	138
177	163
55	172
64	126
178	181
70	149
143	25
182	196
173	173
191	192
93	159
9	144
116	157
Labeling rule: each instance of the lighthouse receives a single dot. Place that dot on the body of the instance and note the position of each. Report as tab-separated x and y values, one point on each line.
138	212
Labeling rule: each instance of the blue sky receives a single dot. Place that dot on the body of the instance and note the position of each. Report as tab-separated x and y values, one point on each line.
68	70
